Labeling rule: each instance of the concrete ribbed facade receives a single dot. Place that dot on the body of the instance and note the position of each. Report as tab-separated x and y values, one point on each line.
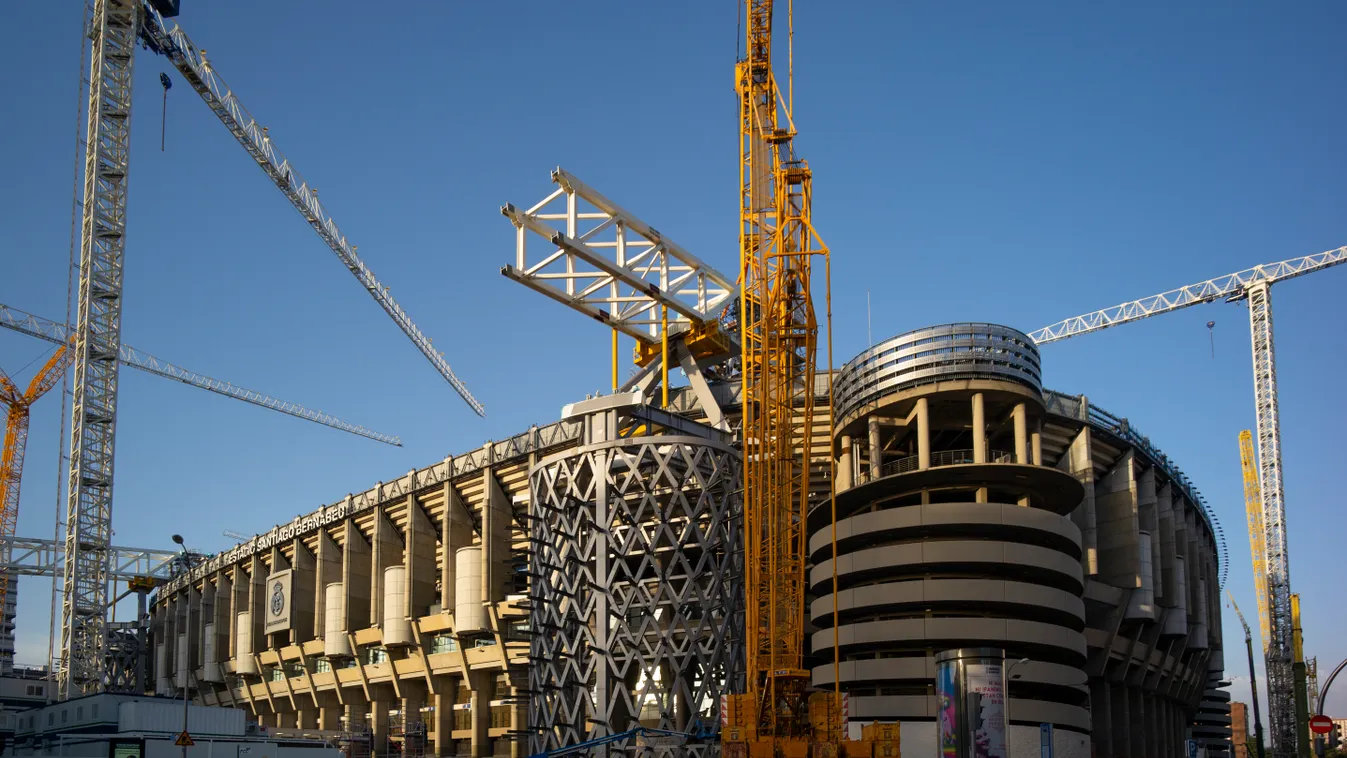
975	509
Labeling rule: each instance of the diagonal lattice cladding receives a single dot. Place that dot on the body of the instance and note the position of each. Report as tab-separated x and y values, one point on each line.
636	590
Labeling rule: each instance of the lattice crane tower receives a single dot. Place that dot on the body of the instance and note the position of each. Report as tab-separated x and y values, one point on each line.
114	28
779	333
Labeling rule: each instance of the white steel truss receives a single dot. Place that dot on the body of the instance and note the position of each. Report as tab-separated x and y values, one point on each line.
192	64
97	343
53	331
39	557
1230	285
604	262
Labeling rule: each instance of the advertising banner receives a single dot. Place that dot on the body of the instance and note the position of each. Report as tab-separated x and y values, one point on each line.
986	710
277	603
946	697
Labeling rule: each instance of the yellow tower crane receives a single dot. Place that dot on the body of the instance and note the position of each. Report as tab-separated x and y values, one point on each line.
16	440
778	338
1253	509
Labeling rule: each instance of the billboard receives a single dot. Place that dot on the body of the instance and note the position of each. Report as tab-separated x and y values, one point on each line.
276	601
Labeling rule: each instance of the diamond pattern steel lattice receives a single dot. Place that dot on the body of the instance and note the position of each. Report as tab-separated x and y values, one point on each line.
636	590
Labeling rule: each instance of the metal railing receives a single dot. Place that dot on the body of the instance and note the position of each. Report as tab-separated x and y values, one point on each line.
939	458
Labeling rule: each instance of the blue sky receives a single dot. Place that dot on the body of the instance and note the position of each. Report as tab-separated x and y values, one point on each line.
1015	163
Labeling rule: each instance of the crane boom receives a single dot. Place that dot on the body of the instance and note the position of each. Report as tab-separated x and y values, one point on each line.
53	331
1230	285
191	62
1253	508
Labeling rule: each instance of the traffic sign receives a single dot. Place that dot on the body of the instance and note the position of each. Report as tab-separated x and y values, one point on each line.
1321	724
184	740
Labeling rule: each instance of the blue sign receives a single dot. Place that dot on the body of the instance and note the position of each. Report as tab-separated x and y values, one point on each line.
1192	748
1045	740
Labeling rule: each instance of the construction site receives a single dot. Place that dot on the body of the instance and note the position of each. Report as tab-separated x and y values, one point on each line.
742	544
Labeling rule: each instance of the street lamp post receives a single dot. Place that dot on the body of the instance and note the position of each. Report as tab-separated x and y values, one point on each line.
1005	696
187	643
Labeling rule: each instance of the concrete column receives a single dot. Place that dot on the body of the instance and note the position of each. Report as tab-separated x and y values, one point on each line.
1021	433
1100	722
979	428
356	715
441	726
1036	442
923	434
844	465
412	700
306	717
481	684
876	455
1122	743
329	718
378	709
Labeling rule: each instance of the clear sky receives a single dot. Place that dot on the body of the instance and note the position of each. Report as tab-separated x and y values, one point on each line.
1010	162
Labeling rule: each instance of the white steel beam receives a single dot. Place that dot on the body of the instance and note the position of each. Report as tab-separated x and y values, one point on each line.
39	557
53	331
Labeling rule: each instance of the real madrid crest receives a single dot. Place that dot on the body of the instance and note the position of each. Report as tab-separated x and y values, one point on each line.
277	599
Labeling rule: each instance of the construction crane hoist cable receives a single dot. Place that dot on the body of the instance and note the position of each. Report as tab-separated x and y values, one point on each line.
1255	286
114	29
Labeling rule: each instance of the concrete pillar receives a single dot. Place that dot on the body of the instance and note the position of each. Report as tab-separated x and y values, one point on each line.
329	718
844	465
1036	442
979	428
1100	721
923	434
1018	415
306	717
378	709
876	455
481	686
441	726
412	701
356	715
1122	743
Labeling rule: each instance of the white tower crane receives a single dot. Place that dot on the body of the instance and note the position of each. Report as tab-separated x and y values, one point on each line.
114	28
1254	285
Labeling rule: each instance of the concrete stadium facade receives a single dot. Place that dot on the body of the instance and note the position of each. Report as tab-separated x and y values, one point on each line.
1058	534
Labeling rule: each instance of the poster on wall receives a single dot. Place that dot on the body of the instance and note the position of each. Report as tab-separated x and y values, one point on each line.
986	710
277	601
946	695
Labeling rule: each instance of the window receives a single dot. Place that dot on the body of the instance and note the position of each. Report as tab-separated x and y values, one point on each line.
79	713
95	711
64	715
376	655
443	643
322	665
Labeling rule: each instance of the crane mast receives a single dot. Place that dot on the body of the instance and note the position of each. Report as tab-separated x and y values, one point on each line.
98	334
1253	510
779	334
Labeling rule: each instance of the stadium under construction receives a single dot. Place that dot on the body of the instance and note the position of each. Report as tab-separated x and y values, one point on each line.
583	578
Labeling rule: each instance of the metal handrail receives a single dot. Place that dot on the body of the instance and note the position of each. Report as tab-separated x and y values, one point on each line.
939	458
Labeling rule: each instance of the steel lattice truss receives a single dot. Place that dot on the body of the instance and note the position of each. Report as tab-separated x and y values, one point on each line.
1281	682
97	344
1253	512
39	557
1230	285
609	265
192	64
636	586
53	331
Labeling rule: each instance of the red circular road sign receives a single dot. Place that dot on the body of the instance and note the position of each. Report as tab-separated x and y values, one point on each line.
1321	724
